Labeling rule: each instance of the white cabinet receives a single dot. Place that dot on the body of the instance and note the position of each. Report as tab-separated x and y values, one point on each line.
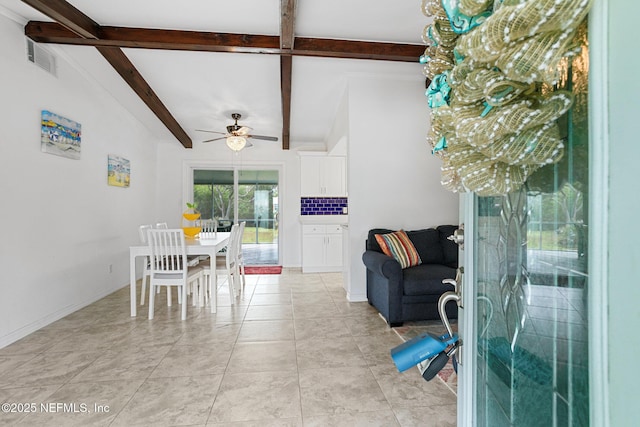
334	176
310	181
322	175
321	248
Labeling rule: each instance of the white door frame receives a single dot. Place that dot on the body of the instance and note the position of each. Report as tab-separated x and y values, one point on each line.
598	213
466	323
187	184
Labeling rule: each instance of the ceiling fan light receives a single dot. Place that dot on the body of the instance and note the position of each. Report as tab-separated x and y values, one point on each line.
236	143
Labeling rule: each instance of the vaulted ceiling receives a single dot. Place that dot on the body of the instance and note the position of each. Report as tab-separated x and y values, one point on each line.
182	66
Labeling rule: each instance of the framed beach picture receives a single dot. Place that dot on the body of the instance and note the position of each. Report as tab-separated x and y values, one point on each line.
118	171
59	135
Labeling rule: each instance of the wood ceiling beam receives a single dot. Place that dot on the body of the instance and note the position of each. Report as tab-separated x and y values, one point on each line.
68	16
286	65
287	23
287	36
84	27
142	38
350	49
134	79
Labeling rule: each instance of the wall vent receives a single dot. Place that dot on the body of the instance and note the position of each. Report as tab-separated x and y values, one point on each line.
41	57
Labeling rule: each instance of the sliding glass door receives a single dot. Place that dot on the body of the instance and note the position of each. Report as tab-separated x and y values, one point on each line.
258	206
236	195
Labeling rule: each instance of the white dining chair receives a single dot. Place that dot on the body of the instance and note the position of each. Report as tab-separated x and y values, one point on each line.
191	261
142	232
209	228
227	264
169	265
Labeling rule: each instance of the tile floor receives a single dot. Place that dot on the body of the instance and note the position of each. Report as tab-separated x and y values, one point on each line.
291	352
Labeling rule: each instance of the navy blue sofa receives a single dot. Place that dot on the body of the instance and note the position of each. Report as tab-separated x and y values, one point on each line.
413	293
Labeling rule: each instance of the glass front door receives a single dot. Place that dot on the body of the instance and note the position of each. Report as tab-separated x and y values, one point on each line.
530	283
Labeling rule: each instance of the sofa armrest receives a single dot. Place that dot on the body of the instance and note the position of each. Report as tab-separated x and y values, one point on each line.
382	265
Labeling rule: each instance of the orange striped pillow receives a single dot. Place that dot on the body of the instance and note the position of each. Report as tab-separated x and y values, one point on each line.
399	246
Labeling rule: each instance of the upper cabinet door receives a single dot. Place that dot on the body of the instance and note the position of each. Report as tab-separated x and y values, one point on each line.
310	176
334	176
323	176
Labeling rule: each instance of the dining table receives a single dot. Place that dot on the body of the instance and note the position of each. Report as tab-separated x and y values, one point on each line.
209	245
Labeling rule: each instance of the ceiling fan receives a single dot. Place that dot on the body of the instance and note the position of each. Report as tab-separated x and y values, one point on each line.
236	136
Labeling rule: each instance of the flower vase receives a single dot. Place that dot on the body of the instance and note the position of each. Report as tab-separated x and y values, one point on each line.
191	223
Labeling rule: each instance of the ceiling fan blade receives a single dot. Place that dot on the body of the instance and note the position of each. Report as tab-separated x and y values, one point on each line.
215	139
244	130
210	131
266	138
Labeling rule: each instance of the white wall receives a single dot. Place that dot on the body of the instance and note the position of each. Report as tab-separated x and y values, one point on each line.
394	181
62	225
337	138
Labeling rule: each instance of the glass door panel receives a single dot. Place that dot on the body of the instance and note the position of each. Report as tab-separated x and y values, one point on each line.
214	195
531	278
258	206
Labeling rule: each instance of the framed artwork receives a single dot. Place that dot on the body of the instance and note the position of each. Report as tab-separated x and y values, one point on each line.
59	135
118	171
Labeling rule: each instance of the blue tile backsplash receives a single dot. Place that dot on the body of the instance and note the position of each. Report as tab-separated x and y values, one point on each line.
322	205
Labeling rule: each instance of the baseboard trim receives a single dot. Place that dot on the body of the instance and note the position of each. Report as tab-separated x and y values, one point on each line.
50	318
356	297
315	269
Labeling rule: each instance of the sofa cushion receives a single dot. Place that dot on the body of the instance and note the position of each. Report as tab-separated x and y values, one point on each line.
426	279
427	243
399	246
449	248
372	243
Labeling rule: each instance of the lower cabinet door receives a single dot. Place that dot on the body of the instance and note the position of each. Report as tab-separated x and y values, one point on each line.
313	250
333	259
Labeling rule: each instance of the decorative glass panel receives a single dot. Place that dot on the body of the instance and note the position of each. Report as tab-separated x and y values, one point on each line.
532	284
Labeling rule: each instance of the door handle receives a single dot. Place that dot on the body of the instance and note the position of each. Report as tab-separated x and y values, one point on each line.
458	236
444	299
457	285
455	295
451	282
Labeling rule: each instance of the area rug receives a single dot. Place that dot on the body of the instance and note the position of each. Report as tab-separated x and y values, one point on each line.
263	269
412	329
